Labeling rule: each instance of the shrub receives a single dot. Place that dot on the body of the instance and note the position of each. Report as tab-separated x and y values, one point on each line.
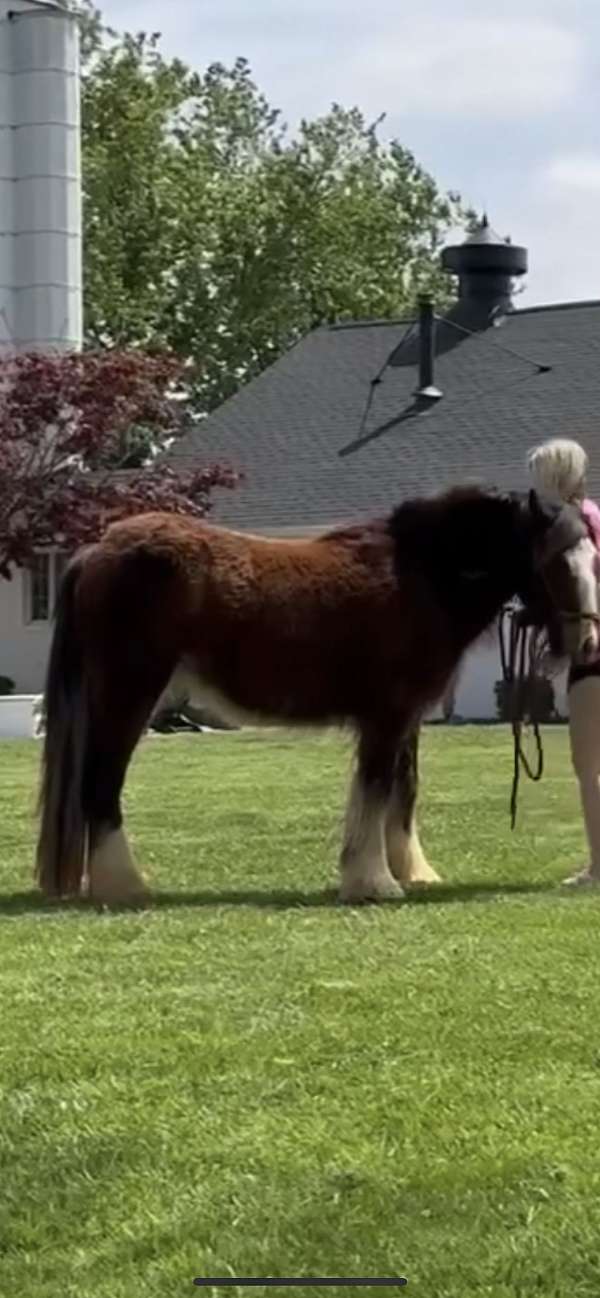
538	702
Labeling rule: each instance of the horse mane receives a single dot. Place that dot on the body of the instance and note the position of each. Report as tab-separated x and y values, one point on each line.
417	512
445	502
469	543
458	512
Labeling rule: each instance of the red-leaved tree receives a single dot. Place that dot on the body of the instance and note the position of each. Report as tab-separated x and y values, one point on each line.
80	440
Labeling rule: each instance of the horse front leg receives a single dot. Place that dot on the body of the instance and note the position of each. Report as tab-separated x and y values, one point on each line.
406	858
365	874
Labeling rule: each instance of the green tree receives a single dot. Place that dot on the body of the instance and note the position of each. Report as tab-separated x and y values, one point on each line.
212	231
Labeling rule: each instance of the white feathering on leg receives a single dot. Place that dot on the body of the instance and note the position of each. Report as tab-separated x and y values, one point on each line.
113	878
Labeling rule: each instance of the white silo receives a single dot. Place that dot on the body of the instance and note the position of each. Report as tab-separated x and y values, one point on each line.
40	176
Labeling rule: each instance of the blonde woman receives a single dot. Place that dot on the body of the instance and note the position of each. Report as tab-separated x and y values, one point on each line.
559	467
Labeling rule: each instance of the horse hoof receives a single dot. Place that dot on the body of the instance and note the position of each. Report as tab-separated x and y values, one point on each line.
135	898
411	873
585	878
423	880
359	892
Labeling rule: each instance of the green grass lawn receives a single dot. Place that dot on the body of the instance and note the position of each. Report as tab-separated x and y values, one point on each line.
251	1079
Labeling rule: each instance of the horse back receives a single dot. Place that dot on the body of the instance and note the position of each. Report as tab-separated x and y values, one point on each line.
306	629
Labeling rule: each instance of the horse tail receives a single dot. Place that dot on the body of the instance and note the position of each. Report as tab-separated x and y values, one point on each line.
62	843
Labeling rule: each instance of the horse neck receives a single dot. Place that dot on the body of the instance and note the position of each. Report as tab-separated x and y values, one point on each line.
473	546
506	571
473	614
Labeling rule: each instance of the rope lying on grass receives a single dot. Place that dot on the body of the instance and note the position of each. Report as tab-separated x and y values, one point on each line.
521	649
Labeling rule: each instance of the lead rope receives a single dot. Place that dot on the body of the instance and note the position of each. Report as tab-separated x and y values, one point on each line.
519	657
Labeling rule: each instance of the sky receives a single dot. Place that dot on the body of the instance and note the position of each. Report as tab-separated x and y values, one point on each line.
498	99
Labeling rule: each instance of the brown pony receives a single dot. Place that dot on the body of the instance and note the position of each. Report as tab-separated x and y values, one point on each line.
363	626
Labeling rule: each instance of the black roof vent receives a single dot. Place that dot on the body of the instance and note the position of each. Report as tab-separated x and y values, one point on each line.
427	390
486	266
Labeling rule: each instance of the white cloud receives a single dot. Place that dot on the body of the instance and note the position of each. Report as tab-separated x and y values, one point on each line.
452	60
488	95
497	69
575	172
556	214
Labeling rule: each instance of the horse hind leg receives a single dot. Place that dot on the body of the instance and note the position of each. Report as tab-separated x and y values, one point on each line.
407	860
112	876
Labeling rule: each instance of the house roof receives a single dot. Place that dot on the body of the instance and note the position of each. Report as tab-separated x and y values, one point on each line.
529	375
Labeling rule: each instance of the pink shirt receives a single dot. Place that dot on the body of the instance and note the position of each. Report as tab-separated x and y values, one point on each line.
591	515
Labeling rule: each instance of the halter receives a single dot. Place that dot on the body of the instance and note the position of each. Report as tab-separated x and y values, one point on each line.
561	536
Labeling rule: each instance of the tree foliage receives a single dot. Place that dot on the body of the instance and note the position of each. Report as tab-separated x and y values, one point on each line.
214	232
66	424
535	700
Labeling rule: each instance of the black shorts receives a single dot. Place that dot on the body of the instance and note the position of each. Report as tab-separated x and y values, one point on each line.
581	673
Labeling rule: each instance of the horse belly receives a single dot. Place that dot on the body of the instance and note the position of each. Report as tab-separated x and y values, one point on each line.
190	685
269	691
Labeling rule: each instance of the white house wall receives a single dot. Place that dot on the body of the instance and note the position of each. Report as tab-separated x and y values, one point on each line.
475	698
23	648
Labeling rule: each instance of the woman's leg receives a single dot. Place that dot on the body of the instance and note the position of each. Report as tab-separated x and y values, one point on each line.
584	727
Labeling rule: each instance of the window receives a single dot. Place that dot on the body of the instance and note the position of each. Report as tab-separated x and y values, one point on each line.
39	589
60	562
42	581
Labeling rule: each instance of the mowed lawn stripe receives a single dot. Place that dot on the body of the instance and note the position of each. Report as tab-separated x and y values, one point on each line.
249	1078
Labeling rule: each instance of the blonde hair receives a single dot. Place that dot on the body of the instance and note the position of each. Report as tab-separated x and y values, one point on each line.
559	467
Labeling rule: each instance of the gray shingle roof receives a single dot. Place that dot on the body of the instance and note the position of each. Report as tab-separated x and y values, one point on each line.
285	429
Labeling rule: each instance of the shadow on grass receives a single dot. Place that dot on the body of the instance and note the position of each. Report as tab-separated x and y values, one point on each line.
439	894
